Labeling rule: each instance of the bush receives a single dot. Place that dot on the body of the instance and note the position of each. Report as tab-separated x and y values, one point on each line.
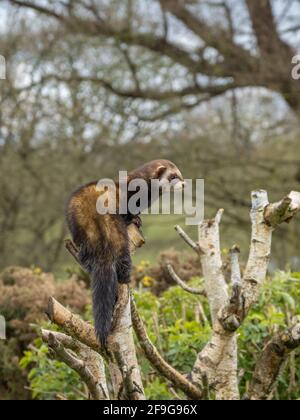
157	278
24	295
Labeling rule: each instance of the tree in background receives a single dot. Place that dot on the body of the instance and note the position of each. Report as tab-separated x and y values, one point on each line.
221	46
94	87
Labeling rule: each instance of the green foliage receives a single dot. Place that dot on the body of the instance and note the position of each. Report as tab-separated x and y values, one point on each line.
277	308
175	327
49	377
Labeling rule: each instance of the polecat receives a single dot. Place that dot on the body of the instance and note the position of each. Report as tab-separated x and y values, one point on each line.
103	241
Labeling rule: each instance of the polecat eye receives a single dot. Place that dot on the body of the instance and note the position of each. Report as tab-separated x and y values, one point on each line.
172	177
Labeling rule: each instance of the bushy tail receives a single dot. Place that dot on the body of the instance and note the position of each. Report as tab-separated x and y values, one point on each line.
104	291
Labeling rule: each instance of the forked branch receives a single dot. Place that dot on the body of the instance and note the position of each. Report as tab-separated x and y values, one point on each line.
95	390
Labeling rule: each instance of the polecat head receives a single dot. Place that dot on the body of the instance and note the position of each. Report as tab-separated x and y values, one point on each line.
163	170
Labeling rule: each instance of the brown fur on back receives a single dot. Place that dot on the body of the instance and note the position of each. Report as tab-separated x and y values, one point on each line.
82	208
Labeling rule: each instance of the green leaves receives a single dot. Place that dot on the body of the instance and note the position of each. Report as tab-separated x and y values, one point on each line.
49	377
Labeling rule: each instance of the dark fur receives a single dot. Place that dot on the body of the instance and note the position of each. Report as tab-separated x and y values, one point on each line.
103	245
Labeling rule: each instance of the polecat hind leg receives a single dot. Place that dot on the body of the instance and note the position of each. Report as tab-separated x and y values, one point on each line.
123	267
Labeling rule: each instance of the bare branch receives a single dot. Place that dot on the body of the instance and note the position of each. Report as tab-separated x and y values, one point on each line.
72	324
218	359
221	40
284	210
93	361
187	239
137	92
77	365
182	284
97	27
265	29
265	217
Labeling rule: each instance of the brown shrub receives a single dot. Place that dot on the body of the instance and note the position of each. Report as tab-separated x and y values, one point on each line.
24	295
185	264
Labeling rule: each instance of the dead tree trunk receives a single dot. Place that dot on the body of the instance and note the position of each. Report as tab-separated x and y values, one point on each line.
215	368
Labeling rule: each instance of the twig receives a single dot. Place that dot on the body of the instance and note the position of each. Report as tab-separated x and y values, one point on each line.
182	284
188	240
202	313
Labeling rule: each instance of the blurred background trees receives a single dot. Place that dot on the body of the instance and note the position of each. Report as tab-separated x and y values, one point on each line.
96	86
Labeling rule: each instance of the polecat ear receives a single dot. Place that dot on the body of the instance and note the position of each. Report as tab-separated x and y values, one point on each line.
160	171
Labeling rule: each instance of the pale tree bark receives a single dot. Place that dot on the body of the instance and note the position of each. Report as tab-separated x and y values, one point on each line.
218	360
85	361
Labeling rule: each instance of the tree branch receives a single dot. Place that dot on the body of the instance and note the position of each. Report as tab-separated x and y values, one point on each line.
137	93
215	285
182	284
265	218
219	39
187	239
100	27
92	359
271	362
284	210
72	324
77	365
265	29
235	265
